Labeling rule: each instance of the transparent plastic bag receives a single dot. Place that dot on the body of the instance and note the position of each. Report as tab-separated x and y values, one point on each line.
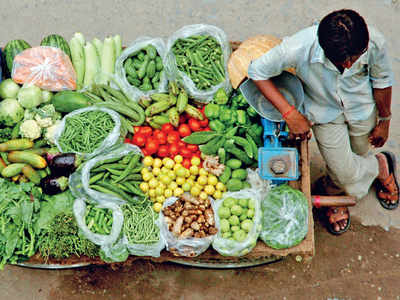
48	68
114	253
109	141
227	247
79	210
189	247
203	96
131	91
284	217
79	182
257	183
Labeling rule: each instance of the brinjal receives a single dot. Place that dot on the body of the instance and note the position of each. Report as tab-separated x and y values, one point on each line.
52	185
64	164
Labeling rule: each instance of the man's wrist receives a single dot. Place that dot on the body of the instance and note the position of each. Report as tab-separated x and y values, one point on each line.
385	118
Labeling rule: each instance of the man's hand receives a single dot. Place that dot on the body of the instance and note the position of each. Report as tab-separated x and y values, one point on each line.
379	134
299	126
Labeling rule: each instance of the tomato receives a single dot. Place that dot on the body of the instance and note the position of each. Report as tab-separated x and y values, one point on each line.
194	124
207	129
163	151
186	163
160	136
136	129
204	123
139	139
192	147
197	154
146	131
127	141
145	152
184	130
185	152
152	145
181	144
167	128
173	137
182	119
174	149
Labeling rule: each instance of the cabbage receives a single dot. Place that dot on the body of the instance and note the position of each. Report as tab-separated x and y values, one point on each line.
10	112
46	96
9	89
284	217
30	96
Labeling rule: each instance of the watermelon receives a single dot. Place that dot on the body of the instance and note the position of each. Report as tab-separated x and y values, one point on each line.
13	48
55	40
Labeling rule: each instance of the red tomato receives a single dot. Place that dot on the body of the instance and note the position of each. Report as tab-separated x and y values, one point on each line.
185	152
194	124
184	130
160	136
204	123
197	154
139	139
173	137
174	149
167	128
127	141
182	119
146	131
145	152
136	129
152	145
207	129
163	151
192	147
181	144
186	163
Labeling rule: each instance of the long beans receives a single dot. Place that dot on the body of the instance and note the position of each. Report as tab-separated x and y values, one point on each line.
140	224
86	131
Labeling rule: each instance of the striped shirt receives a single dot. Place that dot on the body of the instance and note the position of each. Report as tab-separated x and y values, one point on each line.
328	93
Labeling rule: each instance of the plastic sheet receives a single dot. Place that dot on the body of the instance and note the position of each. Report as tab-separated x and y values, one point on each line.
203	96
229	247
46	67
131	91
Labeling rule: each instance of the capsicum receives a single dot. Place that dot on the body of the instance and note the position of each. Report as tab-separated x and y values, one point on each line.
217	125
212	111
220	97
251	111
241	117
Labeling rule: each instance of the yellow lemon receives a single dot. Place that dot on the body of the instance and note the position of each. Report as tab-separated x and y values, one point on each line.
153	183
195	191
190	181
186	187
212	179
157	207
203	196
157	163
152	193
195	161
171	174
180	180
220	186
159	190
144	186
202	180
194	170
168	162
156	171
173	185
178	192
148	161
160	199
203	172
177	166
168	193
178	159
217	194
147	176
209	189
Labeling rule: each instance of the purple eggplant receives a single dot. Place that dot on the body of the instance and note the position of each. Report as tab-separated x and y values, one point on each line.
52	185
64	164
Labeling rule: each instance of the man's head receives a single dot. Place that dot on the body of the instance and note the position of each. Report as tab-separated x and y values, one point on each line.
343	35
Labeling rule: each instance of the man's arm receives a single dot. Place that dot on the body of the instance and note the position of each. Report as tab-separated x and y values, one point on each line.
383	99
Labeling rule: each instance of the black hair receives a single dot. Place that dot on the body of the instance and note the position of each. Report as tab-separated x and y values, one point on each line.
342	34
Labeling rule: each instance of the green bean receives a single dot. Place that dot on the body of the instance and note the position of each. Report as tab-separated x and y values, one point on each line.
135	159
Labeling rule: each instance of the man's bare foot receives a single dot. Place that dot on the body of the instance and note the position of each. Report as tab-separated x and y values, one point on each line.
389	192
338	218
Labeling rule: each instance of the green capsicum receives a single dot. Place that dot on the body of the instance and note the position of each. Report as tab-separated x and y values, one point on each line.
212	111
251	111
216	125
220	97
241	117
225	115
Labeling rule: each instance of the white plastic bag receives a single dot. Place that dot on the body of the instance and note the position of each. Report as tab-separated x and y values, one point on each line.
189	247
131	91
108	142
79	209
153	249
80	182
227	247
114	252
284	217
257	183
203	96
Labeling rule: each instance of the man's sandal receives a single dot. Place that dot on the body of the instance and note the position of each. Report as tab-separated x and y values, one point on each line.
388	190
334	215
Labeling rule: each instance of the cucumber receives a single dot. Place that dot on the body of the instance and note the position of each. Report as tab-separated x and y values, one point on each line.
67	101
78	60
33	159
92	64
239	174
234	163
12	170
226	175
151	69
234	185
159	64
31	174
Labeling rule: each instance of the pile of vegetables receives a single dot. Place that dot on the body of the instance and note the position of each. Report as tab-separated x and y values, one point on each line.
98	220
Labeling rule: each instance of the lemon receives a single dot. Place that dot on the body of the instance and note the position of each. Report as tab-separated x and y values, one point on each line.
152	193
203	172
181	172
186	187
195	161
195	191
159	190
173	185
199	186
153	183
209	189
203	196
156	171
157	207
212	180
202	180
220	186
217	194
177	166
165	179
178	159
164	170
190	181
160	199
180	180
144	171
144	186
171	174
148	161
194	170
168	193
157	163
187	173
168	162
147	176
178	192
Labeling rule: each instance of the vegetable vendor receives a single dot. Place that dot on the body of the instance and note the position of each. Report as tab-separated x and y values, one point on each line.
347	78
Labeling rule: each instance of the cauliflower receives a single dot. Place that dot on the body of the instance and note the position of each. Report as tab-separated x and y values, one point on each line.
43	122
30	129
50	132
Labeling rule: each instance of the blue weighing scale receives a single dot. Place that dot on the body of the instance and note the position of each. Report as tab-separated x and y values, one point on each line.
275	162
